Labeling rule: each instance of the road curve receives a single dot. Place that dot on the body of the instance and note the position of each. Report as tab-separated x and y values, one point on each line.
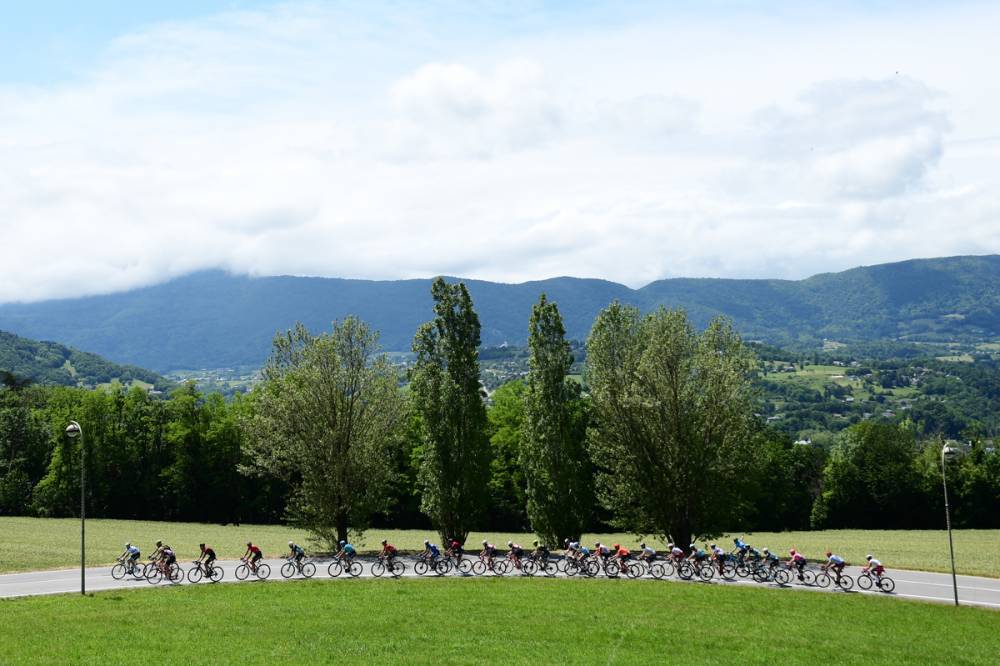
920	585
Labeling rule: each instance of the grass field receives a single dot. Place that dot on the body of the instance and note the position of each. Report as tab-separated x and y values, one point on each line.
490	621
51	543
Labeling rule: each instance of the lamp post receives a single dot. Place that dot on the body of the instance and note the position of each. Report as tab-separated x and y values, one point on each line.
949	452
73	430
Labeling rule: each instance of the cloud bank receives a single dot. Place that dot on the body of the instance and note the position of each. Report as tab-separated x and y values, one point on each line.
305	140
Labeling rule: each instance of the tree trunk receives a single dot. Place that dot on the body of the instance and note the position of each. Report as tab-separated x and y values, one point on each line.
341	527
680	533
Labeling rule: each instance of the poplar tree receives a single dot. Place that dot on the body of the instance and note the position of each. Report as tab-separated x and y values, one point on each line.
553	446
454	457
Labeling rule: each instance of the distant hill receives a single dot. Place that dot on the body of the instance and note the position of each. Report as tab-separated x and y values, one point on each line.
52	363
213	319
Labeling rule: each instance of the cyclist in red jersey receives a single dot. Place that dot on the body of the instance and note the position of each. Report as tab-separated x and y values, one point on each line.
254	553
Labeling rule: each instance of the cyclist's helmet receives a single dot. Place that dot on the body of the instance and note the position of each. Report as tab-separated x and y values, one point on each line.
868	557
693	547
127	546
597	545
736	540
535	542
711	545
828	553
159	543
249	543
426	542
485	542
385	541
343	543
791	552
642	545
201	545
765	551
670	546
510	543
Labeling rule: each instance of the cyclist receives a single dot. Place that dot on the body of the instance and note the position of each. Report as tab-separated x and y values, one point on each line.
622	554
347	551
168	558
647	554
389	551
752	555
719	555
770	559
296	552
540	553
455	549
129	557
157	552
874	566
741	548
489	551
603	551
431	551
207	555
676	552
835	562
698	555
515	553
572	549
255	555
798	561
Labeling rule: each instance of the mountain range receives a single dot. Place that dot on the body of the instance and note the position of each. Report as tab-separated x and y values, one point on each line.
213	319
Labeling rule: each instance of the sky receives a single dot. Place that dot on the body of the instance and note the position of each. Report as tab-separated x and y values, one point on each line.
507	141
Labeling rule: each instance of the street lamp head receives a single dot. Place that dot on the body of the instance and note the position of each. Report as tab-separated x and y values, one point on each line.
73	429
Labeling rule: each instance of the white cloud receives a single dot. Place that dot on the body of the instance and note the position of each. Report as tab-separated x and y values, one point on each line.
303	140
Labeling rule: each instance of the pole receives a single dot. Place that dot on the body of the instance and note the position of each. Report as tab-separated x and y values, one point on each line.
947	521
83	516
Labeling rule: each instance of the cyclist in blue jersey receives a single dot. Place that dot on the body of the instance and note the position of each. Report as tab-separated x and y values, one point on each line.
129	557
431	551
347	551
297	552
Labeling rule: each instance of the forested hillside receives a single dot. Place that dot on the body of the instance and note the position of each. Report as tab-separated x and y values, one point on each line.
52	363
217	320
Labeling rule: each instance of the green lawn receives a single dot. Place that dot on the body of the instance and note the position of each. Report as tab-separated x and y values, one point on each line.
451	621
51	543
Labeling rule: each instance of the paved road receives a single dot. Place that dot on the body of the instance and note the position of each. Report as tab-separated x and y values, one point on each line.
909	584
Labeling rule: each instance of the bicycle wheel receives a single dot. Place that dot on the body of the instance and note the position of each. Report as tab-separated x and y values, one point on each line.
118	571
378	569
529	568
138	572
154	576
242	572
823	580
263	571
886	584
501	567
729	571
782	577
335	569
464	566
742	570
421	567
287	570
808	577
479	568
592	568
215	574
195	575
176	573
635	570
354	568
443	567
685	570
865	581
397	568
846	583
706	573
549	568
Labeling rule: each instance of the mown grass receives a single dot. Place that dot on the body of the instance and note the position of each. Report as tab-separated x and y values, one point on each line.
450	621
50	543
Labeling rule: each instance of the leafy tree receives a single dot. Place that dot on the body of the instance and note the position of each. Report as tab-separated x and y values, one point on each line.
327	416
506	423
672	414
553	444
871	480
454	464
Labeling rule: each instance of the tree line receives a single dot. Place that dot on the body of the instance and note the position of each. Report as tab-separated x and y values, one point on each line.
665	442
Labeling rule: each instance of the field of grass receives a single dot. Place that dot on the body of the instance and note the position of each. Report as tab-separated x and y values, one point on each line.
52	543
450	621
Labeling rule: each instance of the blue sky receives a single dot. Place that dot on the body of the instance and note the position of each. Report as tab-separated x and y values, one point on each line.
496	140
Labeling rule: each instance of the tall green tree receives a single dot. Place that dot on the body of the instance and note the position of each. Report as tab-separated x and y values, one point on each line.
327	416
672	413
454	461
507	486
553	445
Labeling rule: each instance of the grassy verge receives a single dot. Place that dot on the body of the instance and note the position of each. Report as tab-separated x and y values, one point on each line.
490	621
50	543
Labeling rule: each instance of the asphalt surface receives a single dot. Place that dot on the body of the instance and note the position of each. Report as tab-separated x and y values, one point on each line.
917	585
